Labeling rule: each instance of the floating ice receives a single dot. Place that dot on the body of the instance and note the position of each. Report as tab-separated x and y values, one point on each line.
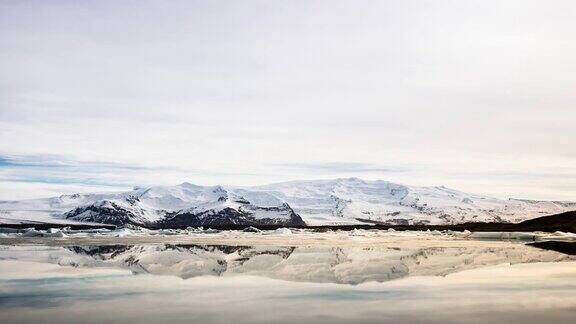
283	231
52	232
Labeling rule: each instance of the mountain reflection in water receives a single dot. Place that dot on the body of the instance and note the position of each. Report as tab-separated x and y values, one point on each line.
477	283
342	265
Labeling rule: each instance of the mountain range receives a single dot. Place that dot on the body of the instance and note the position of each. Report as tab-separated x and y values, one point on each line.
295	203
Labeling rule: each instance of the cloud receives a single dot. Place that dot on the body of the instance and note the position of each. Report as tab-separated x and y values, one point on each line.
340	167
60	170
223	92
60	162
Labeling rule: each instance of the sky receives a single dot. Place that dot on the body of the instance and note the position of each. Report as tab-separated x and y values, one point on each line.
106	95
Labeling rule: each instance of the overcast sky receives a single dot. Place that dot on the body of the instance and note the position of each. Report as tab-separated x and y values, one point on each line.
475	95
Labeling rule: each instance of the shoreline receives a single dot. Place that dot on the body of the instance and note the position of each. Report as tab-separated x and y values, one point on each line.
564	222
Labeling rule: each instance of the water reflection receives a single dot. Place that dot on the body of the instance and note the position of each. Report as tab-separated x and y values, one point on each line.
239	284
342	265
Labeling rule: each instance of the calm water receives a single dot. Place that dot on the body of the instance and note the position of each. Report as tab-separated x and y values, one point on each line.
502	283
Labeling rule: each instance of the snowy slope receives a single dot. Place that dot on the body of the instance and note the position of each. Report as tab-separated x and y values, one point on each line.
331	201
317	202
181	205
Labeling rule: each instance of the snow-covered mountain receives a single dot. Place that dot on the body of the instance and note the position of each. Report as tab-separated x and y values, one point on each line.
331	201
339	201
165	206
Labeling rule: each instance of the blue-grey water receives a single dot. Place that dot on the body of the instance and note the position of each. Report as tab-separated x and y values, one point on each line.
195	283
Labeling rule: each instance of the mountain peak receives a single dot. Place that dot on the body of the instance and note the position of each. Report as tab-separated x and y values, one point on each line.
187	184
